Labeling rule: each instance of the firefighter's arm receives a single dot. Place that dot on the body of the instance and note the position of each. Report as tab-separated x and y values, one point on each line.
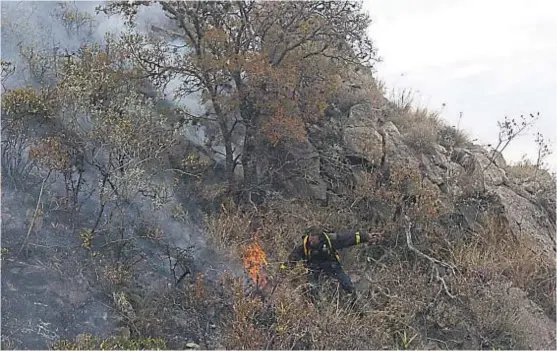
347	239
296	255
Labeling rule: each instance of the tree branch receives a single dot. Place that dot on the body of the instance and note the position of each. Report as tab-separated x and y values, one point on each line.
436	263
34	214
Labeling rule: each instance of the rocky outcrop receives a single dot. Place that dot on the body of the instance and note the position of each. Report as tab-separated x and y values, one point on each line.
299	170
524	217
361	137
527	320
478	198
471	179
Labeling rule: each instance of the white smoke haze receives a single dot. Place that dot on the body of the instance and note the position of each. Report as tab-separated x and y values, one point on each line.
39	305
38	25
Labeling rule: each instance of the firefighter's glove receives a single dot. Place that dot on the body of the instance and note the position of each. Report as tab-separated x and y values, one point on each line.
376	238
371	238
282	271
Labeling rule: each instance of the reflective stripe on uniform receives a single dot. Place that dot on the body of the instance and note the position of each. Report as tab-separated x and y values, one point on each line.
306	251
329	240
357	238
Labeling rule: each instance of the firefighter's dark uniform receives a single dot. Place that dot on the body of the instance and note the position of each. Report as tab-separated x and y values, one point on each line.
324	259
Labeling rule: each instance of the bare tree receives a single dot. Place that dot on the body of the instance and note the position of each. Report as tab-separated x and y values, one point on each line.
509	130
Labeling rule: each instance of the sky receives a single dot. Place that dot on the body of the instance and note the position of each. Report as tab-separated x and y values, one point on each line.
486	59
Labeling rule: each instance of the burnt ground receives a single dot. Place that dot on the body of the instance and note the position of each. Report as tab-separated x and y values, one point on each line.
48	290
54	288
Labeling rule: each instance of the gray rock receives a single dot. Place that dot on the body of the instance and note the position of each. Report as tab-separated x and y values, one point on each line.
300	172
364	142
192	345
360	135
525	218
396	152
363	115
535	329
466	172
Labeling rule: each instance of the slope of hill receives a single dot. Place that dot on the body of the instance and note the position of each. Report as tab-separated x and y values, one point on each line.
125	226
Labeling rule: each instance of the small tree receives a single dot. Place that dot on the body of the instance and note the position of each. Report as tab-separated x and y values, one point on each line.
124	140
26	112
509	130
263	68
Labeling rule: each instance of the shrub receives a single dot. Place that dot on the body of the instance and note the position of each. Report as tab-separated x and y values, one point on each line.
450	137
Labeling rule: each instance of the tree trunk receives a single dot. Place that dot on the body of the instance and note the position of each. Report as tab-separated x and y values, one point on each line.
249	116
248	159
228	150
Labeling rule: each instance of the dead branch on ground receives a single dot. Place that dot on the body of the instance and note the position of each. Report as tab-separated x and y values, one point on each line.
435	262
34	214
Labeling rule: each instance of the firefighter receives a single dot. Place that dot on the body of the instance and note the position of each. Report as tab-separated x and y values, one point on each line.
318	251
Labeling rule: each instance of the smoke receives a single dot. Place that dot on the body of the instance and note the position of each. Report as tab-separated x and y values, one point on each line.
33	25
43	27
67	274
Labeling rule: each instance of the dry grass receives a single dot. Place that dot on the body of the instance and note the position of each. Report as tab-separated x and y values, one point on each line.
422	127
91	342
290	321
527	171
229	230
496	255
401	304
115	275
419	126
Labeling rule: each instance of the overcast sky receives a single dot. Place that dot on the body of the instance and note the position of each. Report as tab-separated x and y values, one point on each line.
484	58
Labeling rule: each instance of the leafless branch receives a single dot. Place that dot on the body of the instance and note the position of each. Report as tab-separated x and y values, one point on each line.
509	130
435	262
183	172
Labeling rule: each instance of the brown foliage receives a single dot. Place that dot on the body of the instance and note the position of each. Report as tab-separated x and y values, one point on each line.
282	127
275	64
51	153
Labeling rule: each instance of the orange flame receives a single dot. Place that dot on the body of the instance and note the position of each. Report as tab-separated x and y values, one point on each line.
255	261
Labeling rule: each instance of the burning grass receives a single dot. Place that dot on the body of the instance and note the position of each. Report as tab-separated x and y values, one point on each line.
255	261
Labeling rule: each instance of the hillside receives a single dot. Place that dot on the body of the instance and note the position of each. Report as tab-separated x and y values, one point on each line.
127	217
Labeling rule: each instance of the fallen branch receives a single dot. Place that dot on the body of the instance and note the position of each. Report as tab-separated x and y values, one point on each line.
197	176
435	262
34	214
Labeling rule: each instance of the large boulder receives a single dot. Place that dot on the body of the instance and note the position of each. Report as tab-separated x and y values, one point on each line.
300	170
360	136
526	218
479	171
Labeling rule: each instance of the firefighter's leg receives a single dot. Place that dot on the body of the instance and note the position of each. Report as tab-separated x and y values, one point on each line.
312	288
344	279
